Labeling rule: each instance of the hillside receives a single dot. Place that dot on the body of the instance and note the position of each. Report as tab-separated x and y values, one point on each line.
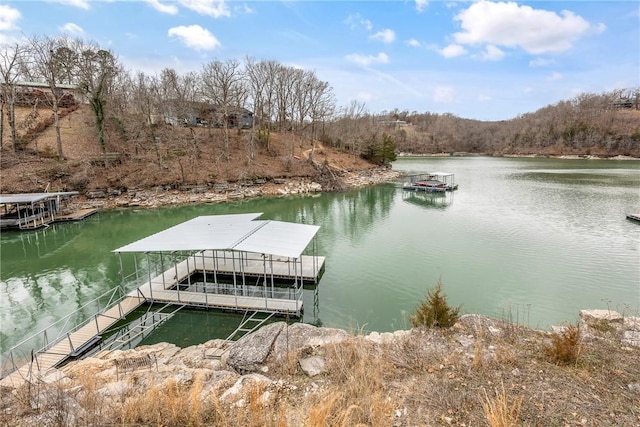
182	157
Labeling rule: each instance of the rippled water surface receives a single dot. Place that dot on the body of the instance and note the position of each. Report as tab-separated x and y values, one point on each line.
533	240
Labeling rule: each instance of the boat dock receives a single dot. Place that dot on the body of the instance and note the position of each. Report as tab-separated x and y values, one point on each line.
31	211
248	266
237	282
634	217
434	182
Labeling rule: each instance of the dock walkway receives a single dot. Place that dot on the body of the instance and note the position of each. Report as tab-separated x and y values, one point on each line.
74	344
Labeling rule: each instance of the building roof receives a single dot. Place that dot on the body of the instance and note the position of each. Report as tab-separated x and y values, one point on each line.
241	232
45	85
33	197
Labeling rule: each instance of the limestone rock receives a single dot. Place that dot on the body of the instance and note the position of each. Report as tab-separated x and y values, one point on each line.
250	351
301	336
312	366
241	386
598	317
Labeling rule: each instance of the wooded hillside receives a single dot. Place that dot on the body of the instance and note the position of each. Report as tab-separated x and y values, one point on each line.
71	116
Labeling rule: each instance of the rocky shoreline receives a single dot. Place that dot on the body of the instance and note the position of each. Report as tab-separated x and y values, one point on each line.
112	198
284	373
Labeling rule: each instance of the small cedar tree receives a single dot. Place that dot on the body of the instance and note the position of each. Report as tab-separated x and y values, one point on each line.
435	311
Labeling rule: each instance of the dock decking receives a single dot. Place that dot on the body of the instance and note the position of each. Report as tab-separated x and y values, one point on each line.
165	287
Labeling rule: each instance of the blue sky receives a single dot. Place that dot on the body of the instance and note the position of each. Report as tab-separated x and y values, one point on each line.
486	60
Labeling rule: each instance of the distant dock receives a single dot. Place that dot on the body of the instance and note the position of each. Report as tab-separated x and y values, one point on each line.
634	217
31	211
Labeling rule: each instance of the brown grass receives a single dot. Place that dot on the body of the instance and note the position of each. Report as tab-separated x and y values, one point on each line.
466	375
500	410
565	347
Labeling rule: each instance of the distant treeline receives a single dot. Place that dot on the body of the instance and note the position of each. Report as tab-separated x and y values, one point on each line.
590	124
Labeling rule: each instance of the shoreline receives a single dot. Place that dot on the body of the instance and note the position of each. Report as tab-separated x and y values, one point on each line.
524	156
108	199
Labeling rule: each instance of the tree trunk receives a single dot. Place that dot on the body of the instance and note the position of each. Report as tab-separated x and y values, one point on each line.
56	118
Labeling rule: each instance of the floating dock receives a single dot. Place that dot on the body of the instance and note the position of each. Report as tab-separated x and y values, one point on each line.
31	211
227	262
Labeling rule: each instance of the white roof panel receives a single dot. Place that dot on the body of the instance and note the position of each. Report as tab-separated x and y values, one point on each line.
229	232
32	197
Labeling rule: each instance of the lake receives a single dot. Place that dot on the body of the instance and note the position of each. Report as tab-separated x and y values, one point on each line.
524	239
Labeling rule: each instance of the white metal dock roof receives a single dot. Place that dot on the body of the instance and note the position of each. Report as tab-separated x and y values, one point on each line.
33	197
239	232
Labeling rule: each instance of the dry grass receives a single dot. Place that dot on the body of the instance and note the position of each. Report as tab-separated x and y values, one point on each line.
362	398
565	347
477	373
500	410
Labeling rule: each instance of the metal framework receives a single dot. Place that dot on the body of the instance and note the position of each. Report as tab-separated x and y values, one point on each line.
233	262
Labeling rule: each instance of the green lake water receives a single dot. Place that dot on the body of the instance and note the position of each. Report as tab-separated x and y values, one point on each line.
531	240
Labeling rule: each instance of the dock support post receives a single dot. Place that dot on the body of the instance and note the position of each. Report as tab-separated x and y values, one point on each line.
175	267
215	269
149	276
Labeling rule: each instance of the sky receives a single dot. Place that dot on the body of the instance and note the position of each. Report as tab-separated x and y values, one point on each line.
485	60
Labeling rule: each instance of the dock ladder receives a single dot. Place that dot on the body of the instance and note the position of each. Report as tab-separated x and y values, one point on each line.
248	325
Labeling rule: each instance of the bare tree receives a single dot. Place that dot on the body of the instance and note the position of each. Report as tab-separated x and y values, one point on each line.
222	84
180	94
44	66
11	66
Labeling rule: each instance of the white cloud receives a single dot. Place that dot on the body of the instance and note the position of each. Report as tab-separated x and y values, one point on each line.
72	28
444	94
508	24
195	37
170	9
213	8
82	4
413	42
555	76
386	36
540	62
8	18
492	53
421	5
366	60
247	9
355	21
452	51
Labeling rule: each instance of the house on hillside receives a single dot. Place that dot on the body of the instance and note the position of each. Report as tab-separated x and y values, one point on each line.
29	94
205	114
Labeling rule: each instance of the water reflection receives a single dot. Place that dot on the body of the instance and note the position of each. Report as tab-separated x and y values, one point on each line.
428	200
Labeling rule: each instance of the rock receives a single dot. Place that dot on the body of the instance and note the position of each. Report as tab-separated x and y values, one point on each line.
312	366
386	337
239	388
301	336
631	338
250	351
634	387
598	318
